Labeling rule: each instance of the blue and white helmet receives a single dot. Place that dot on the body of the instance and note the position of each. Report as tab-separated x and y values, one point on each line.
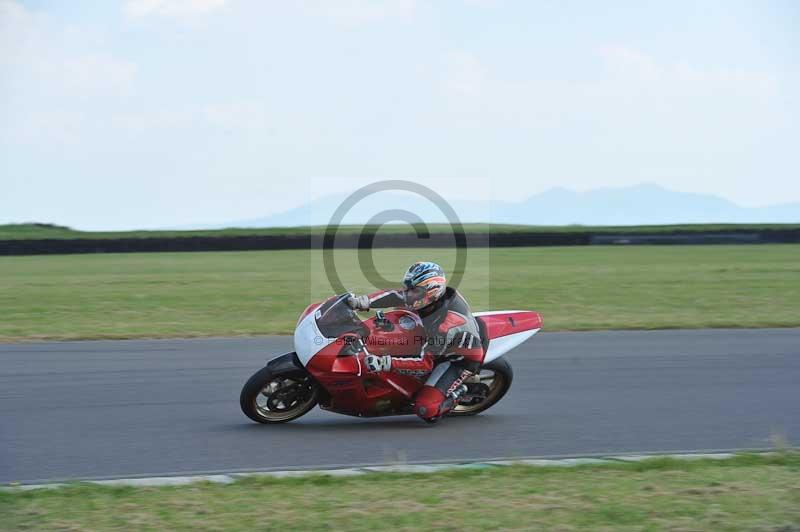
424	284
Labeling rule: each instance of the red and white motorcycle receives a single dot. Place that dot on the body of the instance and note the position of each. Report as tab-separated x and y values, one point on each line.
328	368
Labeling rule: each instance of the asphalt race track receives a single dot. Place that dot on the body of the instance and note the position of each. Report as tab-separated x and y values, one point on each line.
139	408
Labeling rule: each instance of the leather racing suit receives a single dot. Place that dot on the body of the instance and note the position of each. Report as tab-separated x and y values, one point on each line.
452	351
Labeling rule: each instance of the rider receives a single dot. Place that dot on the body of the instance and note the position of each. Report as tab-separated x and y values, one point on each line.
452	351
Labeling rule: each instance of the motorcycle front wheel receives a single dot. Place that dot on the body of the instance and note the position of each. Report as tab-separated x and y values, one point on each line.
485	389
269	397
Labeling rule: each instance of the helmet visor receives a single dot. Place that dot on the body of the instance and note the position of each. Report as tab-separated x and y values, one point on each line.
415	297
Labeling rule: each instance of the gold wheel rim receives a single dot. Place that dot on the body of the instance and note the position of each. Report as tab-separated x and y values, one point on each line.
261	400
496	386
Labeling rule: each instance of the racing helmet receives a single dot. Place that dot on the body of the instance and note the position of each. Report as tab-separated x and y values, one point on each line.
424	284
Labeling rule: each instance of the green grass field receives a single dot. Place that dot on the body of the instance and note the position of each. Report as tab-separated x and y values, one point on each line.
40	231
251	293
744	493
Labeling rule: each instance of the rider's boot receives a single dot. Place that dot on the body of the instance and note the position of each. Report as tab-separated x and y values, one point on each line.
431	404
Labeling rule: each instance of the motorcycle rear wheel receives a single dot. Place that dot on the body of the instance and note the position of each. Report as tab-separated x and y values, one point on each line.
497	375
269	397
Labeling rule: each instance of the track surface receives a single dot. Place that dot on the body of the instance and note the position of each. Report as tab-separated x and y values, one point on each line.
128	408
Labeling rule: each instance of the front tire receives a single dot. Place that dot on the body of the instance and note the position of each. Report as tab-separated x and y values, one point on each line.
269	397
497	376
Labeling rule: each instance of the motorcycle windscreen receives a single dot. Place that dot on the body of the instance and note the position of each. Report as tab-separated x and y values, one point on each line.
335	318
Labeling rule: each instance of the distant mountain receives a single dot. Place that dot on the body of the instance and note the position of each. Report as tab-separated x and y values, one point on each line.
644	204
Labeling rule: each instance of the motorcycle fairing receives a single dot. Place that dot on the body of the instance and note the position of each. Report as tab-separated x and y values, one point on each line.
342	372
308	340
506	329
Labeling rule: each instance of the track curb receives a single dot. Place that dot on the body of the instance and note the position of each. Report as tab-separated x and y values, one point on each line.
227	478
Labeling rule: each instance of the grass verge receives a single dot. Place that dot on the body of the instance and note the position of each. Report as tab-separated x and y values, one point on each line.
43	231
262	292
748	492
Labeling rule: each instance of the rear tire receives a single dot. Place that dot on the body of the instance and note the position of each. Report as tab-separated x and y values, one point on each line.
504	375
269	397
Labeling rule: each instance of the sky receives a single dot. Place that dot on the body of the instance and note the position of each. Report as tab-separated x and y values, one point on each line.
170	113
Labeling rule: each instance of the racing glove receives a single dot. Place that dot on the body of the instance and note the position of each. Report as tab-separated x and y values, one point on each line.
358	302
378	363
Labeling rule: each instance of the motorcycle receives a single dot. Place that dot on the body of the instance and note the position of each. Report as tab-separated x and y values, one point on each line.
327	367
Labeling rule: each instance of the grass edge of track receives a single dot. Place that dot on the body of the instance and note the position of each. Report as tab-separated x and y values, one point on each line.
630	493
